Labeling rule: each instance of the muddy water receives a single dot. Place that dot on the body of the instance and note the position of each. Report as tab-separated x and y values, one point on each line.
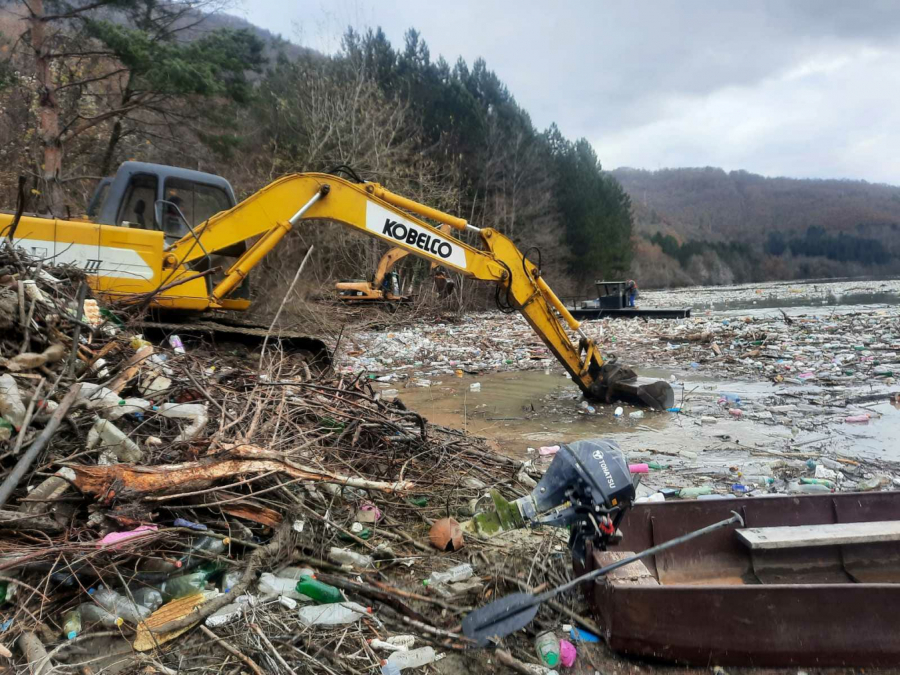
521	410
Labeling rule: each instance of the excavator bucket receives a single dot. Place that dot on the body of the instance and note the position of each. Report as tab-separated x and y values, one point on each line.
618	382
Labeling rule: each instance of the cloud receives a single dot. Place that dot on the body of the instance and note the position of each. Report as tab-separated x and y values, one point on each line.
801	88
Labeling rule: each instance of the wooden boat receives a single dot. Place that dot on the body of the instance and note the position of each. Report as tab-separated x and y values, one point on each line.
811	580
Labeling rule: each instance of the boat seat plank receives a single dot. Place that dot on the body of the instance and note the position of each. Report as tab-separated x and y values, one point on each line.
838	534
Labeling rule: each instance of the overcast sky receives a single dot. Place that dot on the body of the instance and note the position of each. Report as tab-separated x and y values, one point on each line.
802	88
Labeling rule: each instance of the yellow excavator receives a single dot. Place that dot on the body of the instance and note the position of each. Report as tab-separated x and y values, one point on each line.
168	259
385	286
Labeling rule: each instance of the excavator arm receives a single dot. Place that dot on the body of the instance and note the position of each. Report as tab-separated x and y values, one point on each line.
368	207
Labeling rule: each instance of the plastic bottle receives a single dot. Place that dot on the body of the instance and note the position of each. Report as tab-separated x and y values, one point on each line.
798	488
91	613
387	646
231	611
271	586
619	412
160	565
183	585
176	344
335	614
693	492
547	647
345	556
414	658
296	573
197	413
451	576
202	550
758	480
120	605
72	624
475	387
148	597
229	579
11	405
321	593
405	641
113	440
857	419
636	415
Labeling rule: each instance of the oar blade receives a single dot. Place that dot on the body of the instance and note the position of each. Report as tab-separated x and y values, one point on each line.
500	618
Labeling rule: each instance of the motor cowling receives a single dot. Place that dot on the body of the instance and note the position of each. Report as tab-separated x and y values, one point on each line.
587	488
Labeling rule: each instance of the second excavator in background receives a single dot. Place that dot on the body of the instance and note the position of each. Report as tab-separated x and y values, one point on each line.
385	286
155	255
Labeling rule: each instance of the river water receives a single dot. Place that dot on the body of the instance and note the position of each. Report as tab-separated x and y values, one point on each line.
522	410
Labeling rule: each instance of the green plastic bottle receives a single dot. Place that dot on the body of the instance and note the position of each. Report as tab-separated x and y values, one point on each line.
4	586
322	593
72	623
182	586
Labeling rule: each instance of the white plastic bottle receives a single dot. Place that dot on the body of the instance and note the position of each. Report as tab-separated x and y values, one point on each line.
451	576
11	405
113	442
336	614
415	658
271	586
345	556
119	605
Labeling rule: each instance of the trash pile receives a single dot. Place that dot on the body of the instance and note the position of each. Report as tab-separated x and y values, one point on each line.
425	350
171	508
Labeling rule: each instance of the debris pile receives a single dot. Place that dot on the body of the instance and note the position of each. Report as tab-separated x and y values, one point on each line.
178	508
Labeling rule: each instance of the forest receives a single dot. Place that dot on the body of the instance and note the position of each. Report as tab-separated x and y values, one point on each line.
709	226
87	84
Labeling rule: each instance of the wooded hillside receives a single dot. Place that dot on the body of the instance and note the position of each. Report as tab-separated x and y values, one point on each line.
705	225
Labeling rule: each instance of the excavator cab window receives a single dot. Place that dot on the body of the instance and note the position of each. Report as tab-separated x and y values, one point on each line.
137	207
197	202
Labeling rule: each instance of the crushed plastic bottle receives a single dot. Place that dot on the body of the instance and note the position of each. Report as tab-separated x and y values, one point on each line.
405	641
546	645
11	405
271	586
115	446
295	573
335	614
120	605
202	550
229	579
345	556
636	415
148	597
231	611
176	344
475	387
183	585
414	658
453	575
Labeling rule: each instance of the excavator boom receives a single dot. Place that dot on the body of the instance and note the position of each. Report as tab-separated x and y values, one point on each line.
167	273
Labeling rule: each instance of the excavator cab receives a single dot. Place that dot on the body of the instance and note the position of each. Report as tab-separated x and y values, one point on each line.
172	200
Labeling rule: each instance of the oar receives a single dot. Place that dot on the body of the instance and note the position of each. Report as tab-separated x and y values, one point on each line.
512	612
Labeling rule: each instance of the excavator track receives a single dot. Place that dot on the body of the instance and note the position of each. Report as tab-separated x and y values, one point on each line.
313	350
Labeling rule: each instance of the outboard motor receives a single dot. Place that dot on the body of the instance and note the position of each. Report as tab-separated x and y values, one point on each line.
588	488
